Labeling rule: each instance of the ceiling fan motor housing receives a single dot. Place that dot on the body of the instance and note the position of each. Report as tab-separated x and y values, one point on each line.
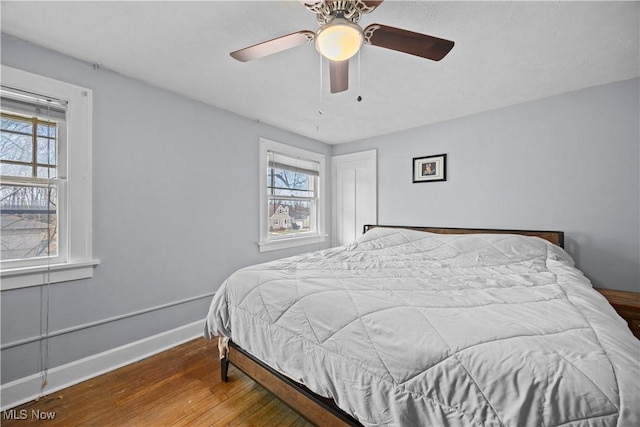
327	10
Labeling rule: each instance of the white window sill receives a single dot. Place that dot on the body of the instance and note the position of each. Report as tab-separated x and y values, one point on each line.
275	244
24	277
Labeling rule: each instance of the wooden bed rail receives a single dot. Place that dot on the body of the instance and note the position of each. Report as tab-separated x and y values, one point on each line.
319	410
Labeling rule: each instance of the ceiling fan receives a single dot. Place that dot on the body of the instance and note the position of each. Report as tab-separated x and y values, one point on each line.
340	37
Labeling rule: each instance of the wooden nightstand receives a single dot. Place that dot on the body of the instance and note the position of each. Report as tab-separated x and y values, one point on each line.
627	304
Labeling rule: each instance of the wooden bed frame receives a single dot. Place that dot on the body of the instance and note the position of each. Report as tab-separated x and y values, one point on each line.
317	409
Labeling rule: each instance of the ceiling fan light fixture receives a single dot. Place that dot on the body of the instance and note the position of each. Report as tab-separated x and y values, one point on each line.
339	40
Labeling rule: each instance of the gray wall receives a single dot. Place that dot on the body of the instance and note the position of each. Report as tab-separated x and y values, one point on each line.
175	211
568	162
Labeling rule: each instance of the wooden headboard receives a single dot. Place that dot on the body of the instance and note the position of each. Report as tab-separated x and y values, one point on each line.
555	237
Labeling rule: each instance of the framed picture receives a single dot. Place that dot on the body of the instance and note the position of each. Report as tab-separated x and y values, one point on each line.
430	168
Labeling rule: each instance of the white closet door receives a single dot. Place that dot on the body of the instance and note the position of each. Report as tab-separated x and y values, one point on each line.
354	195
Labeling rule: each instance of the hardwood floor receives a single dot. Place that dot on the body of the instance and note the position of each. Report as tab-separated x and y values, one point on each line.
179	387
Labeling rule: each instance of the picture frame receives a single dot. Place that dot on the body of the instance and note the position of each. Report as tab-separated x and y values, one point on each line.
430	168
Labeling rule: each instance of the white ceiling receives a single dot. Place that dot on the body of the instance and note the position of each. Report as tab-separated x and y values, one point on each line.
505	53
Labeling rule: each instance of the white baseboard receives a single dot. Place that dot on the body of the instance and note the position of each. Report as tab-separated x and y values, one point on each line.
29	388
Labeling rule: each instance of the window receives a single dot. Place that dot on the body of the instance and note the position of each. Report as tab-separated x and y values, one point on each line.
292	196
45	163
292	185
29	190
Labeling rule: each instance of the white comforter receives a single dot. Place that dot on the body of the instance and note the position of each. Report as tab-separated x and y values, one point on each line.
410	328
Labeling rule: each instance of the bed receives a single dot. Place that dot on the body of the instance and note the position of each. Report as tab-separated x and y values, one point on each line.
431	326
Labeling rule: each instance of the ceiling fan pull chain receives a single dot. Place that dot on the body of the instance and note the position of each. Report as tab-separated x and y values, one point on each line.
321	103
359	98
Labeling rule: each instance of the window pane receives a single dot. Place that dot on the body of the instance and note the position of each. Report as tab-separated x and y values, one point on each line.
45	172
286	183
288	179
29	222
46	151
16	125
16	170
47	130
16	147
290	217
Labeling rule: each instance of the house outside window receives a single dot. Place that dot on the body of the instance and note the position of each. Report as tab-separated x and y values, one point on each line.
292	196
45	167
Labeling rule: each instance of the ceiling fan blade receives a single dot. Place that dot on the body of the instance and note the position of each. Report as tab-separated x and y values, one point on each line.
273	46
367	6
422	45
339	75
312	5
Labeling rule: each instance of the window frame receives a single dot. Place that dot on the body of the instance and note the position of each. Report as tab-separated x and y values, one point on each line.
75	202
270	243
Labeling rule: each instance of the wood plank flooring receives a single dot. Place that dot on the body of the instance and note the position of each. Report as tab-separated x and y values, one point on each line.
179	387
